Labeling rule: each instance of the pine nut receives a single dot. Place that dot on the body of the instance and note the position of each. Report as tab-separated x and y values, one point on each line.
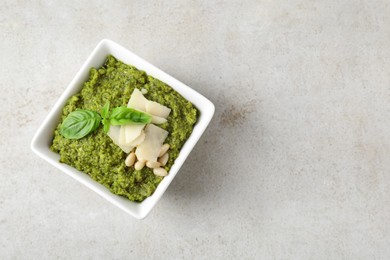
130	159
163	150
139	165
153	165
160	172
164	159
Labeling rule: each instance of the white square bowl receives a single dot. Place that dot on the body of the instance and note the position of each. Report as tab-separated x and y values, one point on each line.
44	136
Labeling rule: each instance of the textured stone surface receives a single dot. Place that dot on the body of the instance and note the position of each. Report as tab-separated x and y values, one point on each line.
295	163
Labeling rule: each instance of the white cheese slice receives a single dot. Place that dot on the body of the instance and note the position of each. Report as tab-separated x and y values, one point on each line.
150	147
137	101
158	120
126	148
139	139
157	109
122	136
113	133
128	133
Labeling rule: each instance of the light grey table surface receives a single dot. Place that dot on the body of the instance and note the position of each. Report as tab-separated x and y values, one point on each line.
295	163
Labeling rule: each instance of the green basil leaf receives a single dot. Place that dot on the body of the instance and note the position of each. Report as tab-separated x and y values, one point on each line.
124	115
106	125
105	110
105	115
79	123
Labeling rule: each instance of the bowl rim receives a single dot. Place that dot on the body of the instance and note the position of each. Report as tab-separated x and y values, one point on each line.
42	139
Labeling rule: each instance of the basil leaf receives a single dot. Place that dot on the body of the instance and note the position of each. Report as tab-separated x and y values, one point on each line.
105	114
105	110
106	125
124	115
79	123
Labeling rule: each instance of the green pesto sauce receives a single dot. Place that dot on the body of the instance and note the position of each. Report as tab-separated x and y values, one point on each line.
96	154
